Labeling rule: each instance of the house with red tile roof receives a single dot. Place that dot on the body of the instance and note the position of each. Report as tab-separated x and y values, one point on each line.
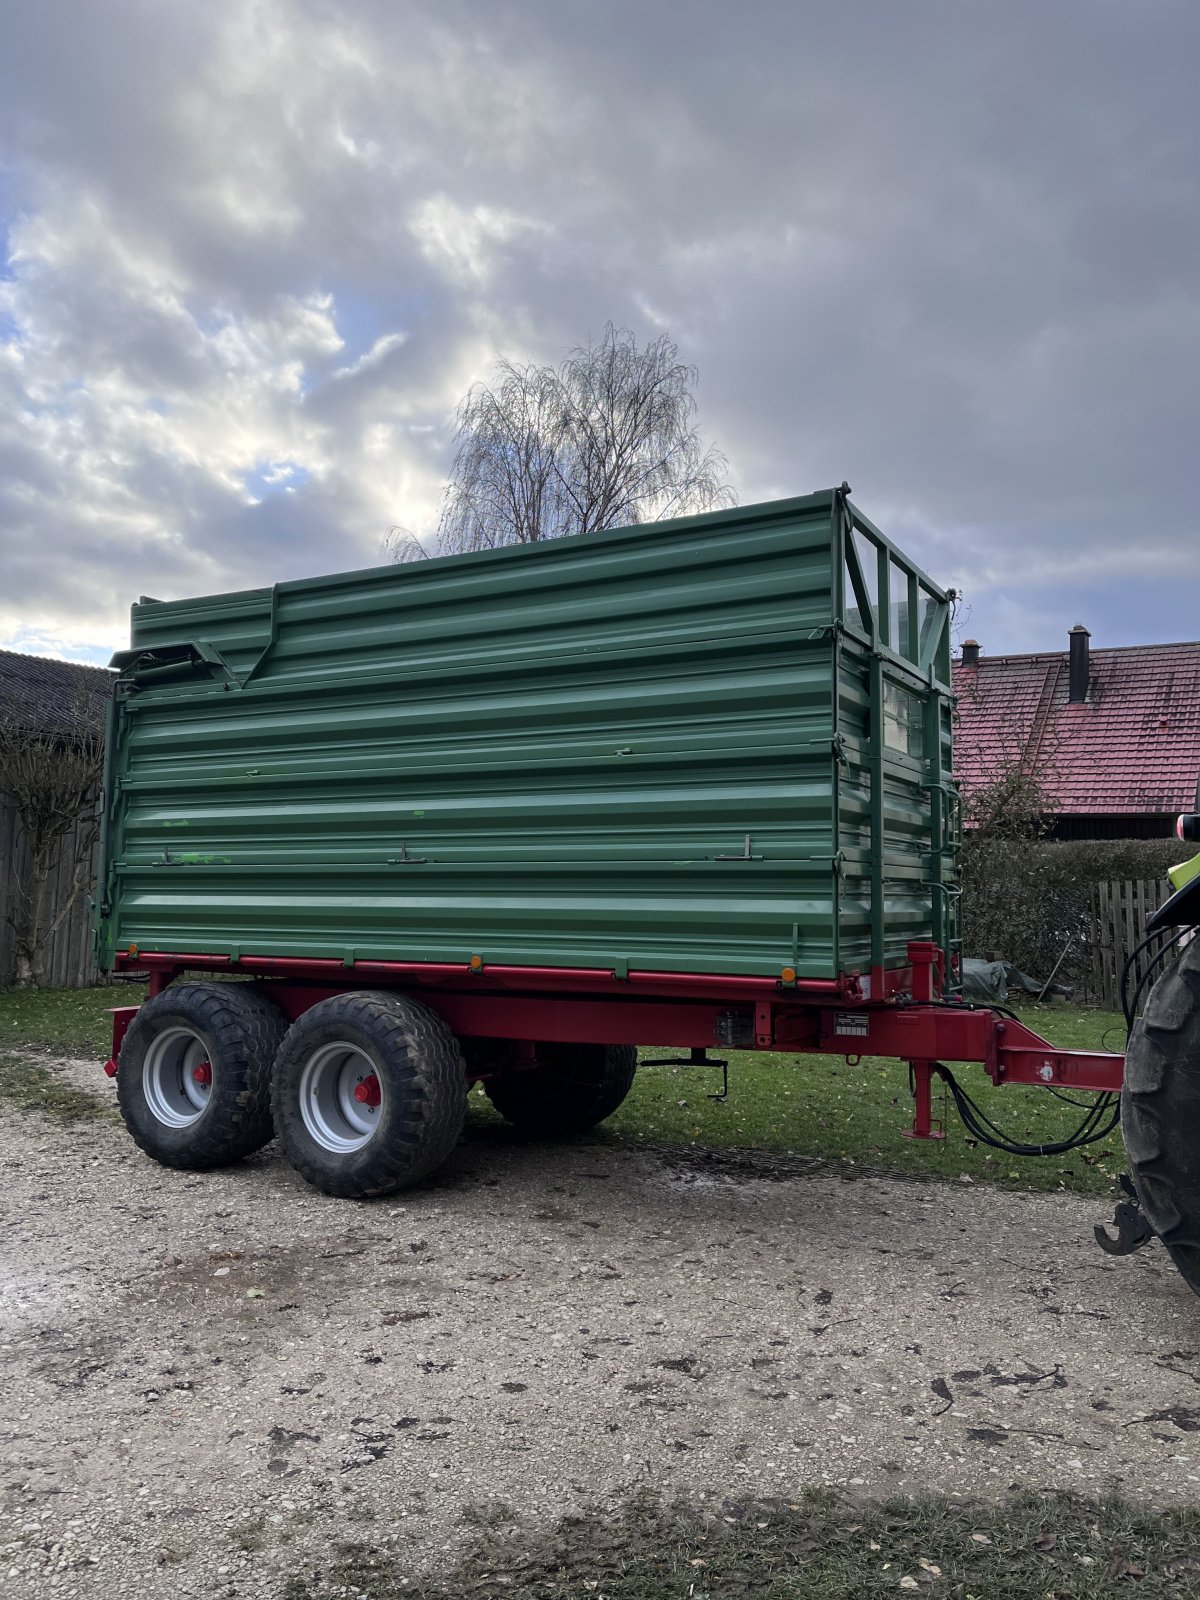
1112	734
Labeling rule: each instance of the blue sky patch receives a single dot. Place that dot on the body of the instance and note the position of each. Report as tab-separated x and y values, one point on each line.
361	319
274	477
7	270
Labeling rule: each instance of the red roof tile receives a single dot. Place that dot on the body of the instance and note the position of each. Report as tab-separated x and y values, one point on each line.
1133	747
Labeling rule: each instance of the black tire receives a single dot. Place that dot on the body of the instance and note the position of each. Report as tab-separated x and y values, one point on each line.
571	1088
1160	1111
422	1088
227	1028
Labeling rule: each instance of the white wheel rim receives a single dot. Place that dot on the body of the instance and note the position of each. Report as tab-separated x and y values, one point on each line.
177	1077
337	1087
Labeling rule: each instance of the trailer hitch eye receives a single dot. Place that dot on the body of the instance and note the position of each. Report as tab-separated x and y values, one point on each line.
1132	1225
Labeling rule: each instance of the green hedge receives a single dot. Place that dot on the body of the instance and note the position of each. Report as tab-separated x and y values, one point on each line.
1027	899
1103	860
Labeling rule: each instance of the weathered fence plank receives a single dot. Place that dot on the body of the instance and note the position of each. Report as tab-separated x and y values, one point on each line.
68	955
1119	914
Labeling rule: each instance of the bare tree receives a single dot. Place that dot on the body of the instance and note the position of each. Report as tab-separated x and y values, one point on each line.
607	439
1012	904
400	546
52	776
1016	770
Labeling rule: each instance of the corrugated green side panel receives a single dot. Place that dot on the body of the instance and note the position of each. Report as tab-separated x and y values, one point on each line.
618	751
551	755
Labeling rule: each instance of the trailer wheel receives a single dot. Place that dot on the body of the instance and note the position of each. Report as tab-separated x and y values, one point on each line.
571	1088
1160	1111
194	1079
369	1093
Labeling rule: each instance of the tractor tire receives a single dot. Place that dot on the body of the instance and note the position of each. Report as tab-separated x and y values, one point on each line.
571	1088
369	1093
193	1080
1160	1110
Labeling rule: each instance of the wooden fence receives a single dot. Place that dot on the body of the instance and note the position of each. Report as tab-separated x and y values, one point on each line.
1119	912
68	956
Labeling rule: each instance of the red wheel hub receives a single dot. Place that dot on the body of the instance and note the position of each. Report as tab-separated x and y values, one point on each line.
367	1092
202	1074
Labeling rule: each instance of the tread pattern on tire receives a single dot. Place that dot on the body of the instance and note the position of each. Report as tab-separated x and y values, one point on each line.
243	1030
1160	1110
425	1093
572	1088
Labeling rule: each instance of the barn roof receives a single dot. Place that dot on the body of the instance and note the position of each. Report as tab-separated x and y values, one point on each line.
1133	747
48	696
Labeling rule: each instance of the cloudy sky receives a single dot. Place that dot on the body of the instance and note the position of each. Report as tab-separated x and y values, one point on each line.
253	253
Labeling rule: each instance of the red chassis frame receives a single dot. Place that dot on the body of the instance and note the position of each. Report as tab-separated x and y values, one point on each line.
910	1021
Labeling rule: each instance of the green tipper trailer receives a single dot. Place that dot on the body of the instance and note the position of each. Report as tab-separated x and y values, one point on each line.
505	817
717	745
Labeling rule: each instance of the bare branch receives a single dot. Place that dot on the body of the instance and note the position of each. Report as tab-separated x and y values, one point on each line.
400	546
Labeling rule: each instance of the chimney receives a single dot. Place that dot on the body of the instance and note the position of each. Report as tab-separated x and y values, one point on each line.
1080	665
970	653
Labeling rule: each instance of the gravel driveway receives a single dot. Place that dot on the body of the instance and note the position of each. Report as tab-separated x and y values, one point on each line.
227	1384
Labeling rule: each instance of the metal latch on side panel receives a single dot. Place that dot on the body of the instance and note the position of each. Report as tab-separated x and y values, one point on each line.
746	855
735	1029
405	860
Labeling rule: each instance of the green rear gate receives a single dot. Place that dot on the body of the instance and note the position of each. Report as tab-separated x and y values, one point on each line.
719	744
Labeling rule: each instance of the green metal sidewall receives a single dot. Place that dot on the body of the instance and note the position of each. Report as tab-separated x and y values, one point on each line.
656	748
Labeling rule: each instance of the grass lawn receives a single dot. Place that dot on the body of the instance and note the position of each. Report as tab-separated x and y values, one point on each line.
805	1105
816	1547
72	1022
820	1106
58	1022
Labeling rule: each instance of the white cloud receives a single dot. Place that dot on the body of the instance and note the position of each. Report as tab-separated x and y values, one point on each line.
378	352
257	253
467	244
